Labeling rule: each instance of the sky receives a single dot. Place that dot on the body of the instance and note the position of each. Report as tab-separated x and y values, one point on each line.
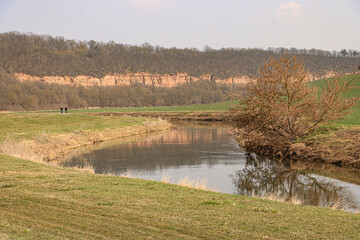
320	24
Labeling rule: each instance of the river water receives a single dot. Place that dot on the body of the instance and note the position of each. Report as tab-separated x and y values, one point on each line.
210	153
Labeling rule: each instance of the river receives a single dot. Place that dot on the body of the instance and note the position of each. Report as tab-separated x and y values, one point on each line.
208	152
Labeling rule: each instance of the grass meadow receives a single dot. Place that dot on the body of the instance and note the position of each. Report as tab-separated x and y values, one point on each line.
39	201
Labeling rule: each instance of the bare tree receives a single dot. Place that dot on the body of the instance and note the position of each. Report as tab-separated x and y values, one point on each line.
280	106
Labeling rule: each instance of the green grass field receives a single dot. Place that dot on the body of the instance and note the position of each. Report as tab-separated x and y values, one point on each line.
220	106
26	126
39	201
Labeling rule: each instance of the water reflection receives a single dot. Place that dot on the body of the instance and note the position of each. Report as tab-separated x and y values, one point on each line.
212	154
182	147
270	177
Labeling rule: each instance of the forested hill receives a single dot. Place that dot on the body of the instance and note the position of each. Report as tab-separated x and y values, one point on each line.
55	56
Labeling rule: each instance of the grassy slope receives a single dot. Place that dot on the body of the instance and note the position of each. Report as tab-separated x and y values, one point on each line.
25	126
39	201
220	106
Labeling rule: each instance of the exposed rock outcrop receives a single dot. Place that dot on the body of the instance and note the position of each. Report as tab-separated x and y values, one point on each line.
128	79
142	78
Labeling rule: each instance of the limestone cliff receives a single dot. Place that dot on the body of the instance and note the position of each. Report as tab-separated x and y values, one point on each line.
142	78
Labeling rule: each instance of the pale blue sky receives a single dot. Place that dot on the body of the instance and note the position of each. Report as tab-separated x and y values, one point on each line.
321	24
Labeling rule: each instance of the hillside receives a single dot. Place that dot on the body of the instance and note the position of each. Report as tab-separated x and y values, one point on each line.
55	56
19	96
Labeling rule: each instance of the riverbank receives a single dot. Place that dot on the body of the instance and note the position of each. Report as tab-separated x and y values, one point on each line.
340	147
337	145
208	116
52	137
41	201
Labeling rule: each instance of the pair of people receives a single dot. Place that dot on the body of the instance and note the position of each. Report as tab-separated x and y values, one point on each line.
61	110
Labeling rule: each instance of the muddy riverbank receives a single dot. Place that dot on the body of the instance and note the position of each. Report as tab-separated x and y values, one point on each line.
339	147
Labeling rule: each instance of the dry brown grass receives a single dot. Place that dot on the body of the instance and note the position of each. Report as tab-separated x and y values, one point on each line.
23	149
284	199
129	174
198	184
166	178
340	204
186	182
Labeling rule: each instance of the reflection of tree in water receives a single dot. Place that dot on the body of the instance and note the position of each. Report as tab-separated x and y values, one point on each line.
268	177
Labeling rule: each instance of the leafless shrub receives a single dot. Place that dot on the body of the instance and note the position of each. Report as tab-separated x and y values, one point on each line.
280	107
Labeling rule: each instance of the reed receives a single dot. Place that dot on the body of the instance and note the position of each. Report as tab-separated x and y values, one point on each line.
278	198
340	204
129	174
166	178
198	184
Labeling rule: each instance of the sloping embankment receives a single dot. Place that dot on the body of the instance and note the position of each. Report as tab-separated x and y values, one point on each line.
55	147
340	148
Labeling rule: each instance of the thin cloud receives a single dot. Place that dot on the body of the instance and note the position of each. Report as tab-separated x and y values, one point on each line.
290	9
149	4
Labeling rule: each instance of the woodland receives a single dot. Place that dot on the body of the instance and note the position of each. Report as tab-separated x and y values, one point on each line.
56	56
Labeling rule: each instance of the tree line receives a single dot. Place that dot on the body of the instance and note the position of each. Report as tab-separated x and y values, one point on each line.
16	95
46	55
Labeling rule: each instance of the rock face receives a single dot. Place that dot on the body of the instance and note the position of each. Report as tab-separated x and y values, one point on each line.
140	78
128	79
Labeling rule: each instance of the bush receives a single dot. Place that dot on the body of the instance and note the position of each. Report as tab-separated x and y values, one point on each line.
280	106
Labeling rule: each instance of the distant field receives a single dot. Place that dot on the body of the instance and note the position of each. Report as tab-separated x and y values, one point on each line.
220	106
354	117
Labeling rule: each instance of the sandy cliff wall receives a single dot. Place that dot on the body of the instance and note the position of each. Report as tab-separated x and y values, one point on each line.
128	79
142	78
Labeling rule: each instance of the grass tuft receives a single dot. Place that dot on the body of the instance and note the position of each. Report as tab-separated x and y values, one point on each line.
283	199
186	182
